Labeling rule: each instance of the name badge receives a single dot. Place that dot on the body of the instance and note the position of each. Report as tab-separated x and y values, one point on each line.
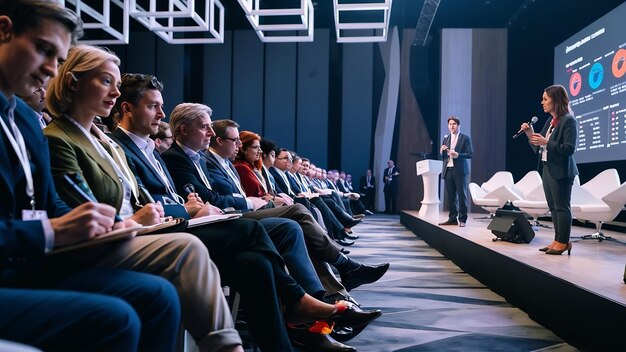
34	215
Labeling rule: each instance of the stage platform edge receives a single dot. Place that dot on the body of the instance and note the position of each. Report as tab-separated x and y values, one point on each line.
585	319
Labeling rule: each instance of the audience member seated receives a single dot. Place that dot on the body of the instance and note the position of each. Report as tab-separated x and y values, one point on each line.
60	302
163	139
227	241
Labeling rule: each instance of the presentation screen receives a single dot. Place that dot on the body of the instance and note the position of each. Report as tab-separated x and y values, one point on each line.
591	65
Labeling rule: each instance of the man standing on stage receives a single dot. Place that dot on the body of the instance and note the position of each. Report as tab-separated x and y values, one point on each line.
455	151
390	178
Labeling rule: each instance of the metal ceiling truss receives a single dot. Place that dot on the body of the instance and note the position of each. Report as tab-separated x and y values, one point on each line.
179	22
375	27
99	20
202	21
273	25
429	9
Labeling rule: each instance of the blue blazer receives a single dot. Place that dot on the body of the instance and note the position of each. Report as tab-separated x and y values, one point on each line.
183	171
561	147
281	186
465	150
23	241
147	176
222	183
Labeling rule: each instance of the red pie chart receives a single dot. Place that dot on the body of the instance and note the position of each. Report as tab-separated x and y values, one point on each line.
575	84
619	63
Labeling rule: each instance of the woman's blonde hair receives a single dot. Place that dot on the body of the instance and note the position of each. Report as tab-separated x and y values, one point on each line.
80	60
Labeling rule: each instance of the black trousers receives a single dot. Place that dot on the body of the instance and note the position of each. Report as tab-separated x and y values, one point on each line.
248	261
456	188
559	195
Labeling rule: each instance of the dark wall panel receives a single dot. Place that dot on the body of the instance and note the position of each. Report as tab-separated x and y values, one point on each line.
141	54
312	99
280	94
217	85
356	124
247	98
170	71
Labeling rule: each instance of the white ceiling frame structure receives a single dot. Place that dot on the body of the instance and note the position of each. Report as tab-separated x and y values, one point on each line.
352	32
178	9
274	33
103	21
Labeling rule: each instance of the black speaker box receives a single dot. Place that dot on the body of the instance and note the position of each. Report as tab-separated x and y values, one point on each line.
511	226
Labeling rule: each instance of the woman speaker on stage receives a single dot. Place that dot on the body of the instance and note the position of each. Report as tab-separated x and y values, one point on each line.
556	145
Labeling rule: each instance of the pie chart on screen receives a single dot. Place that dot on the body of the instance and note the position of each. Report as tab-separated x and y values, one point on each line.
575	84
595	75
619	63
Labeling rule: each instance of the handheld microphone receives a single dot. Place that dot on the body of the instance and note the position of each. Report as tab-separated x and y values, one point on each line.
531	122
189	188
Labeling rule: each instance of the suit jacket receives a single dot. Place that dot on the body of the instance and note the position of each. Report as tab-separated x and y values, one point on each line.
465	150
248	179
561	147
393	184
147	175
24	240
183	172
342	186
281	186
72	152
363	183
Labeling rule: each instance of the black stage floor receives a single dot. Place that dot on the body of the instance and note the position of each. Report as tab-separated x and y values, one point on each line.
581	298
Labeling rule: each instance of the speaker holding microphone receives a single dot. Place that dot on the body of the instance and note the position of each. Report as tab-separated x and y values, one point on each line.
512	226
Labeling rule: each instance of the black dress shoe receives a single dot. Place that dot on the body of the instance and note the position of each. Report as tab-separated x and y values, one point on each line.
342	333
364	274
358	216
351	222
309	341
336	297
344	251
449	222
349	236
349	314
367	212
344	242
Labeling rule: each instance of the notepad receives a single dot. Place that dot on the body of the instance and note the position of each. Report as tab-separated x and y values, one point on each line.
111	236
148	229
209	219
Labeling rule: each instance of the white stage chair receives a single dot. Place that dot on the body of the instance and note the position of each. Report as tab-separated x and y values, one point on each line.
500	178
599	200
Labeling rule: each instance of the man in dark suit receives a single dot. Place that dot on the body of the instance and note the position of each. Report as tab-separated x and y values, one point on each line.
456	150
223	190
53	302
367	185
390	178
226	241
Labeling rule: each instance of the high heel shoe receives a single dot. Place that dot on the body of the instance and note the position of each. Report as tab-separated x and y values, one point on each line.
567	248
345	313
544	249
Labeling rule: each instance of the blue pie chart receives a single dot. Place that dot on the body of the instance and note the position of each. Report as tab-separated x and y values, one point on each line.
595	75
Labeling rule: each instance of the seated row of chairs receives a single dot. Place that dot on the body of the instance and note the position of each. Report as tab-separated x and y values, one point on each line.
598	200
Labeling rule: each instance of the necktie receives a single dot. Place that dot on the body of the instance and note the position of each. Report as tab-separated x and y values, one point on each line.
196	162
232	172
149	153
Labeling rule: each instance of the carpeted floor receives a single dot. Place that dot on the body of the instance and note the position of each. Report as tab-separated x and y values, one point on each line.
429	304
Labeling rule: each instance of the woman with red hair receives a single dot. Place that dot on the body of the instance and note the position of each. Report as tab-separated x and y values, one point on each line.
248	164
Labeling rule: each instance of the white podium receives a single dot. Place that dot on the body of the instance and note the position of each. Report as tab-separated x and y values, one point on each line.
429	170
